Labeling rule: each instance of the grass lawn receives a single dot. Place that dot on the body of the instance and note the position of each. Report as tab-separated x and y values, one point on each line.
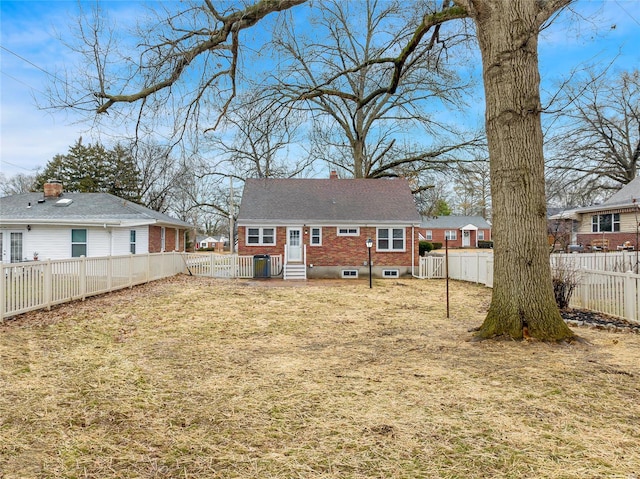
202	378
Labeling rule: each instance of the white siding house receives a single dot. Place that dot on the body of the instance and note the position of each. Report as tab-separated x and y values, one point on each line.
34	226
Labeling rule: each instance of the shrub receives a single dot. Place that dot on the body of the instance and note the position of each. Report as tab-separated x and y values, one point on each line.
437	245
565	279
485	244
424	247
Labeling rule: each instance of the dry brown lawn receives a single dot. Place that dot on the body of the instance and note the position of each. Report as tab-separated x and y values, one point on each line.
201	378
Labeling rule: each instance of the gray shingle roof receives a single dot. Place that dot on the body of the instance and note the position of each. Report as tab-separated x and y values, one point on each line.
336	201
626	195
85	208
453	222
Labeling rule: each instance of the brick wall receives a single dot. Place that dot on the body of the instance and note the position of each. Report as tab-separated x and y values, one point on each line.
615	239
155	239
336	250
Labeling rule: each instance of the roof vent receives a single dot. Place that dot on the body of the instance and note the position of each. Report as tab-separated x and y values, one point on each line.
64	202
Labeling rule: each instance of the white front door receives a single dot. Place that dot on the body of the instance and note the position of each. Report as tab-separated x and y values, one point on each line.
294	245
466	238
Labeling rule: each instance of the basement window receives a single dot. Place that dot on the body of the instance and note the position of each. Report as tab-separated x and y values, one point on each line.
350	231
349	273
390	273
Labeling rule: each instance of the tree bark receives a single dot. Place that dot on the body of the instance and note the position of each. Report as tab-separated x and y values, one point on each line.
523	299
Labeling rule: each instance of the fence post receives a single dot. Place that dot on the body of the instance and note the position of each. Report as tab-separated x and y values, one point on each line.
3	292
109	273
584	290
48	284
630	292
130	270
83	277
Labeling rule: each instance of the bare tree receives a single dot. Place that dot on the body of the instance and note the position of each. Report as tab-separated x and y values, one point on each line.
473	188
16	184
357	122
596	138
260	141
160	174
507	33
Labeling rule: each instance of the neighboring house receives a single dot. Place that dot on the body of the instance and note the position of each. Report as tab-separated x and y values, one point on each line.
461	231
611	225
211	243
58	225
321	226
562	232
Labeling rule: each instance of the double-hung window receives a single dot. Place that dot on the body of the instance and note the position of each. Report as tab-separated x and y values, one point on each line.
78	243
607	222
450	234
261	236
480	235
428	235
390	239
316	236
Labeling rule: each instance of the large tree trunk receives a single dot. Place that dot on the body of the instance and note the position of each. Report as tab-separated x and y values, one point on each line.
523	298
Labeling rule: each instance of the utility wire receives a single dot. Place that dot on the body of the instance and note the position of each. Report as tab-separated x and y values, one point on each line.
29	62
625	11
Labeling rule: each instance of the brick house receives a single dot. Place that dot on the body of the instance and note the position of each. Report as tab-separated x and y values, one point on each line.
321	226
59	225
462	231
612	225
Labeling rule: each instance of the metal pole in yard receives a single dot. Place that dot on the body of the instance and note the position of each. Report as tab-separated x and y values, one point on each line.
446	269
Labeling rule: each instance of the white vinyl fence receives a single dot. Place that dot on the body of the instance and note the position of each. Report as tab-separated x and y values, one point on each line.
41	284
228	265
601	285
475	267
619	262
608	292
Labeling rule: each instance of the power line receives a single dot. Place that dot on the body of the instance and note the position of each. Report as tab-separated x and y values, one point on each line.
29	62
22	82
18	166
625	11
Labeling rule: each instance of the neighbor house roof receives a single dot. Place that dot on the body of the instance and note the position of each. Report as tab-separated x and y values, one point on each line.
327	201
453	222
627	197
80	209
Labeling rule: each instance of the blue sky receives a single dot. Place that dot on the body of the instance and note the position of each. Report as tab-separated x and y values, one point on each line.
31	53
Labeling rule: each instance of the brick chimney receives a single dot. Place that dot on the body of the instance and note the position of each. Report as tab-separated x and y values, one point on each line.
333	175
53	189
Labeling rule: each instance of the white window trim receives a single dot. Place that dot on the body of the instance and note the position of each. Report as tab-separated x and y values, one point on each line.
391	238
260	235
613	223
85	242
428	235
348	273
447	233
319	228
132	244
356	231
163	237
390	273
480	235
